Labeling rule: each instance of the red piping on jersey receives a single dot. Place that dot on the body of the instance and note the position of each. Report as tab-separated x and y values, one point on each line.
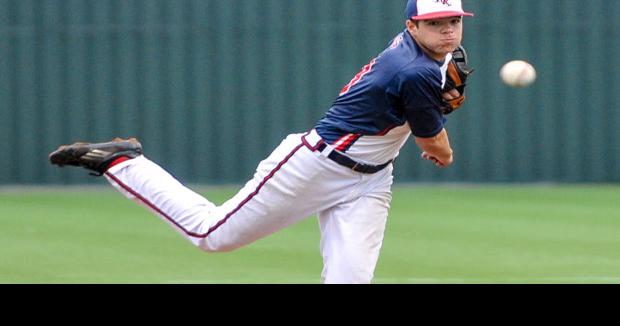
367	68
229	215
341	139
345	142
348	142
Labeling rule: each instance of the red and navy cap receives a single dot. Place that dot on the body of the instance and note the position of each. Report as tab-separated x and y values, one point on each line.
433	9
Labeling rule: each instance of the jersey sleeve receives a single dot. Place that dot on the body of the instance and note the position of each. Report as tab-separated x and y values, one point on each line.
420	93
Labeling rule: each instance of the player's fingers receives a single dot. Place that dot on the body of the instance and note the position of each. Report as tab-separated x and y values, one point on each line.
451	95
435	161
427	156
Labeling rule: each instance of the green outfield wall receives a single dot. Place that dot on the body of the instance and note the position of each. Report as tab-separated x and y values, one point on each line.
212	86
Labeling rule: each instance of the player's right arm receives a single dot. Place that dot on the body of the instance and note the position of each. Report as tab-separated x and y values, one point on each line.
422	98
437	149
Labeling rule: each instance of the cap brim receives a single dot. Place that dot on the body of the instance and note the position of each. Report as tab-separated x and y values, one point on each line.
443	14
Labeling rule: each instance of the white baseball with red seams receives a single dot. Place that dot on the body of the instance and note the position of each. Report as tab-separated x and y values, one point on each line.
352	207
518	73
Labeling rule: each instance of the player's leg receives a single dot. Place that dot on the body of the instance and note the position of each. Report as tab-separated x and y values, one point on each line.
285	189
247	216
294	182
122	163
149	185
351	238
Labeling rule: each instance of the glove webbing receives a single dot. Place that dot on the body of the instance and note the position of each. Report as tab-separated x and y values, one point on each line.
456	78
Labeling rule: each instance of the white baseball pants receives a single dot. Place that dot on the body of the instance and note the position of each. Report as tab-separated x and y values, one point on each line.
294	182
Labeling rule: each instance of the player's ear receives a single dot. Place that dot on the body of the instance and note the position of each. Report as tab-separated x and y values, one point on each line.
411	26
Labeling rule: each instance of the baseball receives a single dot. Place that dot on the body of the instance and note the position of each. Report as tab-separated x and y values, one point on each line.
518	73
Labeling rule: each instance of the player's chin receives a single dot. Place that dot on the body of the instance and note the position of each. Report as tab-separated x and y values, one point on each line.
449	47
444	50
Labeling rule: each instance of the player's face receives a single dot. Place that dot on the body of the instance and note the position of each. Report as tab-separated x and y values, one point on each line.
438	36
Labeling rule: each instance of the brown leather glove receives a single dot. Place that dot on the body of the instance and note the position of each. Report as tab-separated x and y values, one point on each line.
456	78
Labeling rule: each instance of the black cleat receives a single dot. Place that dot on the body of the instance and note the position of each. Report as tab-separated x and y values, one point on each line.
96	157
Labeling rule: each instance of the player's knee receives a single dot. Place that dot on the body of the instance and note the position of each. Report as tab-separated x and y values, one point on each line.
213	247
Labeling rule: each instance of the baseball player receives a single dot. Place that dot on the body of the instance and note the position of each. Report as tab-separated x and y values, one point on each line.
341	169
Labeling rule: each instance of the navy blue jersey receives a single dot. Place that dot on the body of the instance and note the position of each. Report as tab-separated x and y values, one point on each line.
396	94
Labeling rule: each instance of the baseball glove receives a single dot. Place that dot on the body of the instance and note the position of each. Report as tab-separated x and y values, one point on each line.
456	78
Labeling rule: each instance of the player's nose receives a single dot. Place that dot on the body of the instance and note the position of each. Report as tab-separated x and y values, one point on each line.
448	29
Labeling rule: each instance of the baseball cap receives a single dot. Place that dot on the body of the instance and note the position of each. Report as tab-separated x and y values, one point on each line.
432	9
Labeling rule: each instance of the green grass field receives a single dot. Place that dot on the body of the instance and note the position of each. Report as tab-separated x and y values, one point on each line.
435	234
